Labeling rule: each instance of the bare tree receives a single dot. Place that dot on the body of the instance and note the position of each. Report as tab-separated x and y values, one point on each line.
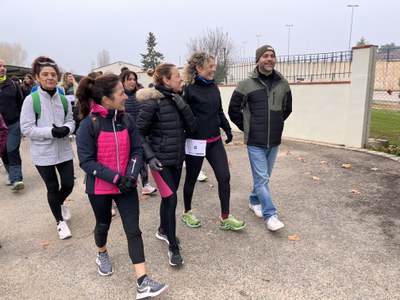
13	54
103	58
220	45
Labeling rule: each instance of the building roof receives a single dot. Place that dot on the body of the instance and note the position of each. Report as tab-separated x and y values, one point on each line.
115	67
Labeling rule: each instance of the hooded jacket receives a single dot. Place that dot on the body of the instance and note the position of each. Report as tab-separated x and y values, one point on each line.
47	150
116	152
162	126
260	112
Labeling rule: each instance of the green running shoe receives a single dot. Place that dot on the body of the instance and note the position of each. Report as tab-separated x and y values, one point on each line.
231	224
190	219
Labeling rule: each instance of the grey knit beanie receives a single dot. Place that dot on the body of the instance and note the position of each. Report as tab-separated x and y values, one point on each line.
260	51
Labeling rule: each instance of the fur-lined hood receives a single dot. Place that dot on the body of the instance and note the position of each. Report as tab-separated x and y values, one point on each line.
149	94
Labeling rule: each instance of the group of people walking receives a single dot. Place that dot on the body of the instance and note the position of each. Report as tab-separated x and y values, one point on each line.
123	128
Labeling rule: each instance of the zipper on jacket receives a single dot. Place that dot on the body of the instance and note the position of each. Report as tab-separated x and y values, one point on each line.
114	119
269	109
134	163
54	122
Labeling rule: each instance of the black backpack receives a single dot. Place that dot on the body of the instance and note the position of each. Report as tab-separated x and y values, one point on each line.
96	124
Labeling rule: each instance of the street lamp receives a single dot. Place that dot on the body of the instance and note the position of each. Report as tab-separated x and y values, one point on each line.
288	40
351	22
258	40
244	49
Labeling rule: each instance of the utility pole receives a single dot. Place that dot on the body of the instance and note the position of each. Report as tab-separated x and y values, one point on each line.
288	40
351	22
258	40
244	49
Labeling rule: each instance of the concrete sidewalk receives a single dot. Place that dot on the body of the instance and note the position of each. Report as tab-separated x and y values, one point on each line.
348	248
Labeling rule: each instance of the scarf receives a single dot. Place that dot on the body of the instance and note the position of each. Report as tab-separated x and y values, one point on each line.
3	78
206	81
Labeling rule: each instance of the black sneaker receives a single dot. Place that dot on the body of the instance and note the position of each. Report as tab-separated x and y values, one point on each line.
149	288
175	258
163	237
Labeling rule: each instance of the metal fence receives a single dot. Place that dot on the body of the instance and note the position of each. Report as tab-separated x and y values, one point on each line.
385	114
333	66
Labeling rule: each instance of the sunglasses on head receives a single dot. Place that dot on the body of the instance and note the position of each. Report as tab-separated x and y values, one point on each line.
47	63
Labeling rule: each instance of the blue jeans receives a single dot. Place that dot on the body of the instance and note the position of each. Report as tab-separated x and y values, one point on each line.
11	155
262	161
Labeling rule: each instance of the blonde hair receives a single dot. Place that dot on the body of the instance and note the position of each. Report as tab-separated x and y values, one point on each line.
197	59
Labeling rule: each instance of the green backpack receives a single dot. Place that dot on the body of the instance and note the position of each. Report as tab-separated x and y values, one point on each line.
37	108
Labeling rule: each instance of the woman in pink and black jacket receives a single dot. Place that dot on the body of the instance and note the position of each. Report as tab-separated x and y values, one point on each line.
110	153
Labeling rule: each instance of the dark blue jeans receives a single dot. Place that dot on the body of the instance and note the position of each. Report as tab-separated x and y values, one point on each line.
11	156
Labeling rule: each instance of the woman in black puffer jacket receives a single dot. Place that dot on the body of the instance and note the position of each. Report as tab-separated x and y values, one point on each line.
203	96
163	120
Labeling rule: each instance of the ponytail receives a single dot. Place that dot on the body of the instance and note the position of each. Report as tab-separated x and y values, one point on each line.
91	89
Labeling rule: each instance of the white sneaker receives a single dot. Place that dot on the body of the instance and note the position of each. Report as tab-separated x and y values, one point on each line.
202	177
63	230
273	223
148	189
8	182
257	209
66	214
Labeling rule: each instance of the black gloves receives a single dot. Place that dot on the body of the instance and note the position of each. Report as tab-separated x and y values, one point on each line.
59	132
155	164
180	103
127	184
229	136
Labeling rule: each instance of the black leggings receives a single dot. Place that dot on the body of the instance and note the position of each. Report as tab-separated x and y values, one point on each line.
128	208
216	156
171	177
144	174
56	195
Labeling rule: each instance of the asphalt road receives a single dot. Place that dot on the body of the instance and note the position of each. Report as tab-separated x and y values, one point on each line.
347	221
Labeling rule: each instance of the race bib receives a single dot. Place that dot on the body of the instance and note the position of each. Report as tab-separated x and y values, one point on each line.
195	147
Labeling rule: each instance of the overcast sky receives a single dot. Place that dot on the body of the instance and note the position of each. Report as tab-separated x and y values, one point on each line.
72	32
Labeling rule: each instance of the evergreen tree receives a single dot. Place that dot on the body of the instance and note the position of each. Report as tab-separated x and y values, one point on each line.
362	42
153	57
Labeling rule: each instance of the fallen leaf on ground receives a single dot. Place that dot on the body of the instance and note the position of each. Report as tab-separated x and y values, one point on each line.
374	169
69	199
293	237
323	162
210	185
355	192
229	164
45	243
316	178
288	153
303	160
144	197
346	166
